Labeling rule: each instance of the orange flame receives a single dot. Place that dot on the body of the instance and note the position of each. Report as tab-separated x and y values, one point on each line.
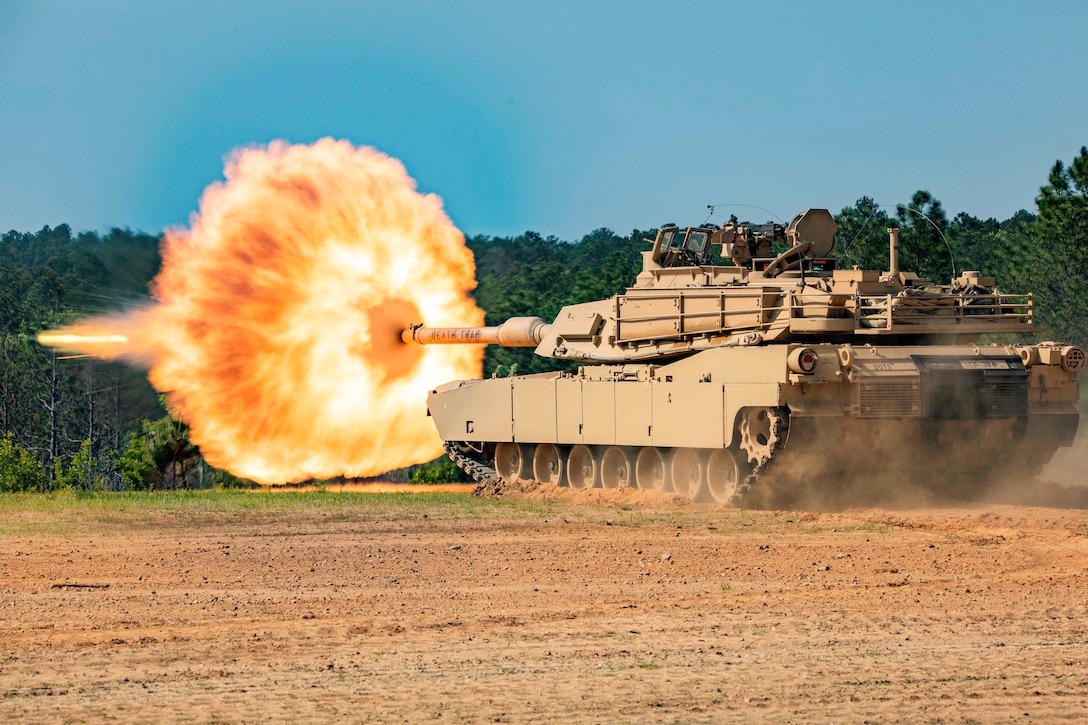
276	329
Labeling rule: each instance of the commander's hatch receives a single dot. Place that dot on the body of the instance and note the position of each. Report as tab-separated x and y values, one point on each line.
676	247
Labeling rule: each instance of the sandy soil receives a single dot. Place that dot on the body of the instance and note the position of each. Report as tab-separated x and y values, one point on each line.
573	607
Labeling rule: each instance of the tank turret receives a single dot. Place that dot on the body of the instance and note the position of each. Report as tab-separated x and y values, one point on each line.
725	366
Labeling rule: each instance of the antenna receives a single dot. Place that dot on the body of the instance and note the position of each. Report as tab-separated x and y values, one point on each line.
951	257
713	208
947	246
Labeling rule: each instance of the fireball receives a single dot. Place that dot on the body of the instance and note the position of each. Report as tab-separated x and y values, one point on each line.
275	328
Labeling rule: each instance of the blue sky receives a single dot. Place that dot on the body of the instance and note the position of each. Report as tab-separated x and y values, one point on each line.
559	117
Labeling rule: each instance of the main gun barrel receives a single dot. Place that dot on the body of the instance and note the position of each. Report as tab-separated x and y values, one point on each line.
515	332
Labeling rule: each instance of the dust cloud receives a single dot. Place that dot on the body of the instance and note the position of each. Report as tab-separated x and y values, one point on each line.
846	464
1063	482
275	325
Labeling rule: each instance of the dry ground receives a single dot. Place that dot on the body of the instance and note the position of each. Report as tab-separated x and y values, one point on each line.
540	607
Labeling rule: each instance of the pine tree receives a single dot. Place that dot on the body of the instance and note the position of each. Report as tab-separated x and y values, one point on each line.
1060	272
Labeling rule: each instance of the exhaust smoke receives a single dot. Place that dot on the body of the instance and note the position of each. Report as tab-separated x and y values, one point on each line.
275	331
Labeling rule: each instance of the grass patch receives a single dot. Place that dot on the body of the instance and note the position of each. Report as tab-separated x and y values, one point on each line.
58	511
64	512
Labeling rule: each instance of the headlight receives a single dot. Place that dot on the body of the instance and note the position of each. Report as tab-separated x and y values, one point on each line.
1073	359
803	360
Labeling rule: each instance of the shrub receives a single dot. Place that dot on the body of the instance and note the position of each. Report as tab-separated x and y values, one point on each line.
137	465
446	472
20	469
225	479
81	471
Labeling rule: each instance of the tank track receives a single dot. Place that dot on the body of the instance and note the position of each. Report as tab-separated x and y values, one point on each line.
479	472
482	473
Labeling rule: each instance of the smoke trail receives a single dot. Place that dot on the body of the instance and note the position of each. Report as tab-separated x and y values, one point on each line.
275	332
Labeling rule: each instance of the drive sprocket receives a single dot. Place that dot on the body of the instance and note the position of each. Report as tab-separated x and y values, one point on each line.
760	433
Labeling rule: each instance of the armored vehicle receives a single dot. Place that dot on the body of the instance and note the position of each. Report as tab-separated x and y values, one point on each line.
718	380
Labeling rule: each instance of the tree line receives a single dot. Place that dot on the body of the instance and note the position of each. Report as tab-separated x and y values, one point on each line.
61	418
83	423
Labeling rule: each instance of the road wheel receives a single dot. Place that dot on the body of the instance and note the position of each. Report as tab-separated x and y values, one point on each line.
548	465
583	468
723	475
615	468
650	470
686	472
513	462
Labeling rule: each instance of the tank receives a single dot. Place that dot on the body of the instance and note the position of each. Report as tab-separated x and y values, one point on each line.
739	380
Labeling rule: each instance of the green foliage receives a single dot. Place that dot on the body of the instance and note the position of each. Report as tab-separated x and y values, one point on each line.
137	464
46	275
1000	249
863	235
446	471
224	479
51	404
161	457
171	448
923	246
535	275
20	469
1060	271
80	473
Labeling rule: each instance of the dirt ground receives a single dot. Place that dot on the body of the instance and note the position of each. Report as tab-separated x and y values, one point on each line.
555	606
